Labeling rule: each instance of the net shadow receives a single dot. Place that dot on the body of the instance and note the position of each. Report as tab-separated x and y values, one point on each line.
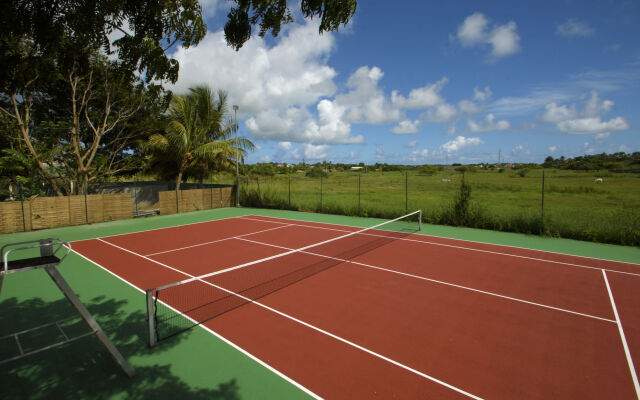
182	307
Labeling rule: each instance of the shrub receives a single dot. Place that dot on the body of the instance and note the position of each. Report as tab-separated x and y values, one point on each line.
316	172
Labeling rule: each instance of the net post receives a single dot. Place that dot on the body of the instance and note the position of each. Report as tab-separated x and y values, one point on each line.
151	319
420	220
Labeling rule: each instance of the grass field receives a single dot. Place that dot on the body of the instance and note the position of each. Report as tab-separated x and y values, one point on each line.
575	206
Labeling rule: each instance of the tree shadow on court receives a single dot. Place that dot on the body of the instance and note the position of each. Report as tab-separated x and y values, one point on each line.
83	369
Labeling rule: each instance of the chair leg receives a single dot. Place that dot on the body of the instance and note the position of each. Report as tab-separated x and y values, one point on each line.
86	316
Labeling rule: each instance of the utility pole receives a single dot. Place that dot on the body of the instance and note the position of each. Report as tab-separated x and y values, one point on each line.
235	111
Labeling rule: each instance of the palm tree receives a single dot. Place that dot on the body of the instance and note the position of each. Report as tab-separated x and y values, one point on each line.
196	138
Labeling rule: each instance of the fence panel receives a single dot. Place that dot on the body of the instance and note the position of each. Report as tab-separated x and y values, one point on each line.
11	216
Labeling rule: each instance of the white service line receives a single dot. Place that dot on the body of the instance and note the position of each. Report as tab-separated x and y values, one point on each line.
224	339
215	241
632	369
371	352
465	248
440	282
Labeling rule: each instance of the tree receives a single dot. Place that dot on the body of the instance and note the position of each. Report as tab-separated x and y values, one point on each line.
269	15
196	137
43	43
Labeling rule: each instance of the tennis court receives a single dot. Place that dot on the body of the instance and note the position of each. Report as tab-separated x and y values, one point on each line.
388	312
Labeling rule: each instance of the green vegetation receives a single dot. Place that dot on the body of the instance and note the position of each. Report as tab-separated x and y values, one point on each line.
575	205
197	139
81	85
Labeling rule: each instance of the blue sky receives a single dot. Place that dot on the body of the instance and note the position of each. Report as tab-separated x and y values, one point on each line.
416	82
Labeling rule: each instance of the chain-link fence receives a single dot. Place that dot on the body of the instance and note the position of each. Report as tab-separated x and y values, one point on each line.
593	205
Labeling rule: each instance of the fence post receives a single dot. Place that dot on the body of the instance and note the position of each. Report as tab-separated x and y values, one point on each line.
406	192
320	192
177	208
135	192
289	190
86	208
211	190
542	207
24	225
358	193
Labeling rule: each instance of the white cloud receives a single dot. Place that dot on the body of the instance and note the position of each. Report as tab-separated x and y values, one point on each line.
552	149
281	150
573	27
468	107
297	125
459	143
365	102
592	125
443	113
315	152
473	30
310	152
490	124
481	95
503	39
418	155
589	121
406	126
521	150
420	98
412	144
555	113
259	77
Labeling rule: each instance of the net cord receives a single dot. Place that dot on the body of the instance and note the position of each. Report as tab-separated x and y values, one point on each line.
201	277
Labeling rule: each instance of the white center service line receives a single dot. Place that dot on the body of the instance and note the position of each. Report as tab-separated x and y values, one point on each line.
439	282
634	376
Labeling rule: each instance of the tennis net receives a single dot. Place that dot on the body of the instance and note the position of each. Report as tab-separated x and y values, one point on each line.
179	306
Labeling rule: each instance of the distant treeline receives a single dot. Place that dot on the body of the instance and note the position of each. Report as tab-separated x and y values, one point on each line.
613	162
616	162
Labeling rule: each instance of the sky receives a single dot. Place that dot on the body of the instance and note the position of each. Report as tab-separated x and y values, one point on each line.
432	82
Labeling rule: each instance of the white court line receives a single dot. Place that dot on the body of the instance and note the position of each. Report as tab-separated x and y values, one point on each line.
465	248
215	241
248	216
622	337
308	325
440	282
224	339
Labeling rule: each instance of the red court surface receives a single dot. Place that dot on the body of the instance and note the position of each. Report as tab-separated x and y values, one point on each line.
403	315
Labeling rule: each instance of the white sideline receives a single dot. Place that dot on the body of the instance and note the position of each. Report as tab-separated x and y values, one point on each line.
248	216
227	341
632	369
467	248
371	352
439	282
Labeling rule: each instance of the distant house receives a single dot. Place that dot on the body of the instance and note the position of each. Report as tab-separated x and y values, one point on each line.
356	168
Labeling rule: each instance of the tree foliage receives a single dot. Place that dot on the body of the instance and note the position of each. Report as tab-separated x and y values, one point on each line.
603	161
196	138
269	15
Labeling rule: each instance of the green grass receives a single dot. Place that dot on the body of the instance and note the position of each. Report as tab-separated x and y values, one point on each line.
575	206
